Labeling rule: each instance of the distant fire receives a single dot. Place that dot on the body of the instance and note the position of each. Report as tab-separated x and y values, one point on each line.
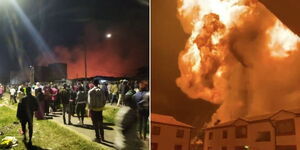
111	57
239	55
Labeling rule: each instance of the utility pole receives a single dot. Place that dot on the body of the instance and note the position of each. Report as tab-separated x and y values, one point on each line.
85	63
85	83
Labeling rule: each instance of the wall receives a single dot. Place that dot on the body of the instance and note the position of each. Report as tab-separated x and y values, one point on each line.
167	138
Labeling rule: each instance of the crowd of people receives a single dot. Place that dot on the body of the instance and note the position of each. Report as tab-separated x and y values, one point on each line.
42	99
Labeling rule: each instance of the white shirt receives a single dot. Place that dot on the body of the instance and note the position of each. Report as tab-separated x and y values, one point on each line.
12	91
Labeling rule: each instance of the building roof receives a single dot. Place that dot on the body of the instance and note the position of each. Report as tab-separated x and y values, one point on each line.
169	120
251	119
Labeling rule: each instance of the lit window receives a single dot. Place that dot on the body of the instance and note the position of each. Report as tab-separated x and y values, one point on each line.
155	130
241	132
180	133
263	136
285	127
225	134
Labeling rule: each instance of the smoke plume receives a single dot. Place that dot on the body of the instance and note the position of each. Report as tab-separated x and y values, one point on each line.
114	57
240	56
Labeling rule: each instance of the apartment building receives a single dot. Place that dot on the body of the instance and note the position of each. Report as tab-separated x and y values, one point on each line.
276	131
169	134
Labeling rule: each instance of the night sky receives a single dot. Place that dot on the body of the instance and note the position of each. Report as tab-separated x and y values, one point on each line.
69	26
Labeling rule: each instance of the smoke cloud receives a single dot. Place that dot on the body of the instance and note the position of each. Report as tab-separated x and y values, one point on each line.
238	68
118	56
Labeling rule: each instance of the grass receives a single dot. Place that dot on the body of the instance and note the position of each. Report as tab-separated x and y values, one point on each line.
46	134
109	114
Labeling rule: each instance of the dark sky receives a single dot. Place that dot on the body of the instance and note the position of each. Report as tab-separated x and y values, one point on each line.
62	23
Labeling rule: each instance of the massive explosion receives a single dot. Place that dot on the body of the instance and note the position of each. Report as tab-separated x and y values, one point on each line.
110	57
240	56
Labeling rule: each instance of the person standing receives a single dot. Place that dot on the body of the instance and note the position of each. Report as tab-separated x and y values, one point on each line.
27	106
47	99
41	102
81	100
54	92
96	102
13	94
64	96
124	88
1	91
73	95
142	101
114	92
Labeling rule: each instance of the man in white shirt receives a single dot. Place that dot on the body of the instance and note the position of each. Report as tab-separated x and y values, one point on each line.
13	95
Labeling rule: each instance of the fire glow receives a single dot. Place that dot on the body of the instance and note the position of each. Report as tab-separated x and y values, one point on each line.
233	46
104	58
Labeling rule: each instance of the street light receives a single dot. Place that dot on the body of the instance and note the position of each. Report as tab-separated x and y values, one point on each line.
108	35
31	68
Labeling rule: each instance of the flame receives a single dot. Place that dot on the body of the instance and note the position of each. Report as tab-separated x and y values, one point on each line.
282	40
213	61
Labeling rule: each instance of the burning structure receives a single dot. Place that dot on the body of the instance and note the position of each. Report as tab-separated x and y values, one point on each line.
240	56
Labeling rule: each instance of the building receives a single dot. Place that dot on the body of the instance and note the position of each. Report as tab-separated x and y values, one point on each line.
275	131
57	71
169	134
50	73
18	77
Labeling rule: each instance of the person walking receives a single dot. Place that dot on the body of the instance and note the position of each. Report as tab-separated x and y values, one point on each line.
81	100
126	136
27	106
96	102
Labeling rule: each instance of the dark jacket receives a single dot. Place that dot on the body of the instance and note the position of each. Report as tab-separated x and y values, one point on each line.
64	96
26	107
81	97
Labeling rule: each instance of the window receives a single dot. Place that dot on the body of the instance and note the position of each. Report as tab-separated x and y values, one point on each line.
210	135
241	148
286	147
285	127
263	136
225	134
178	147
180	133
154	146
155	130
224	148
241	132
